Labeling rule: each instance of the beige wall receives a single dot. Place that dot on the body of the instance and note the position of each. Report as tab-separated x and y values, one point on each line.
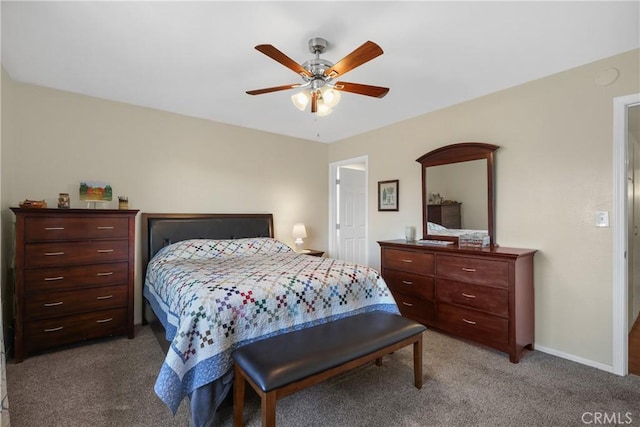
163	162
553	171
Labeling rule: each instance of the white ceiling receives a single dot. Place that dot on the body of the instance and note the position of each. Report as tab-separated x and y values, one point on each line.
198	58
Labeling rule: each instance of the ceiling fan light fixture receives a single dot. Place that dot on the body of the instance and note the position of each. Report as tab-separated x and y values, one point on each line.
323	109
330	97
318	74
301	99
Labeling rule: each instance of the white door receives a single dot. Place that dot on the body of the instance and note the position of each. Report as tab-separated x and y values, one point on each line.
351	215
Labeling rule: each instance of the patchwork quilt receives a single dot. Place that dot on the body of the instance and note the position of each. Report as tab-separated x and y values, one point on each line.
213	296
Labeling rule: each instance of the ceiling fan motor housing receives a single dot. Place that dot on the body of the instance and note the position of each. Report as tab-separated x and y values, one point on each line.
318	45
317	66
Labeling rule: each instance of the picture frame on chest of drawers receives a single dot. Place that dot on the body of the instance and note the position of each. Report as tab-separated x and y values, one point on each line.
74	276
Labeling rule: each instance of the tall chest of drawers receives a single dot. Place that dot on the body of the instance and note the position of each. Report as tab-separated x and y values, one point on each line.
484	295
74	276
448	215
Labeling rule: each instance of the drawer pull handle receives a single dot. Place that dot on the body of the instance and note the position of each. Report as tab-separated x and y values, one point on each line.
105	297
53	253
108	273
406	282
51	279
468	295
104	320
105	251
470	270
407	260
53	228
59	328
52	304
407	304
104	227
471	322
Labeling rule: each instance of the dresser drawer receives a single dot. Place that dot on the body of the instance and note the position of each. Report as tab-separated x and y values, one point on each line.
473	270
51	279
70	228
73	253
47	333
415	308
482	327
61	303
414	262
493	300
409	283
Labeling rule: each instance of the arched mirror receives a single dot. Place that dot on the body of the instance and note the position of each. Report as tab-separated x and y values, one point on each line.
457	191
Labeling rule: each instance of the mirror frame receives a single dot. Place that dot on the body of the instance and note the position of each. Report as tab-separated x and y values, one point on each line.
456	153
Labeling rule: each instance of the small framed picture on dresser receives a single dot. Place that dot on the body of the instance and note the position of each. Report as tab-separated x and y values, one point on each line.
388	195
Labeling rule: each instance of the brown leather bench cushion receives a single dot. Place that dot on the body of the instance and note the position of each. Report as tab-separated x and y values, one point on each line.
277	361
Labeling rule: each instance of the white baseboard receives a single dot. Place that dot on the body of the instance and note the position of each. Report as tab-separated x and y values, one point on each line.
574	358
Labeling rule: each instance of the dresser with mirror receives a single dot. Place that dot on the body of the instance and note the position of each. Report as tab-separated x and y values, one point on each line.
478	291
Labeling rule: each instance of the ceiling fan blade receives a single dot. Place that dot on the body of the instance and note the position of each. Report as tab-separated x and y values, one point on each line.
360	89
272	89
276	55
364	53
314	101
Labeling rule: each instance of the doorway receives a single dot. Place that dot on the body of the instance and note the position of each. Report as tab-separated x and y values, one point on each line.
348	210
623	244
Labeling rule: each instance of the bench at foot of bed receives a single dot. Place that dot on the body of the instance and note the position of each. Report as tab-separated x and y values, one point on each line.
281	365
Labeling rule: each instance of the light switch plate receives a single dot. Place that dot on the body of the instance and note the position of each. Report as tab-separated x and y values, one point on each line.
602	219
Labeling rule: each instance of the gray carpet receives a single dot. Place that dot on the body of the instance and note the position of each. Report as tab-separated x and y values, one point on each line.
110	383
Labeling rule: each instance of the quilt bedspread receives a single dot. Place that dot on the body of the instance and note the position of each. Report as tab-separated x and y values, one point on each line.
214	295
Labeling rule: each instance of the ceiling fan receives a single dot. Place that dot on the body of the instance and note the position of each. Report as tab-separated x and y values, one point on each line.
319	74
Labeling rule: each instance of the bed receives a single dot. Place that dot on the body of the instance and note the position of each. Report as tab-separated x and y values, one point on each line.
218	281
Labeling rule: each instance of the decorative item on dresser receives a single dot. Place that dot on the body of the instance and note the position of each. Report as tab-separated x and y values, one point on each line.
74	276
485	295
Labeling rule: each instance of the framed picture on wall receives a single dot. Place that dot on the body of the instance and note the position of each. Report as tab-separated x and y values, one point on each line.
388	195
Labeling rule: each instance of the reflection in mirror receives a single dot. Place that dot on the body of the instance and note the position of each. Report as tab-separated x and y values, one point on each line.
458	203
457	193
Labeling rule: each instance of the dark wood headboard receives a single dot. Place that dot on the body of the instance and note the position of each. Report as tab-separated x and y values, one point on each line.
162	229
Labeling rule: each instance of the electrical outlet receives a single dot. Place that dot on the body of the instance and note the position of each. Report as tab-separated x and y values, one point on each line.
602	219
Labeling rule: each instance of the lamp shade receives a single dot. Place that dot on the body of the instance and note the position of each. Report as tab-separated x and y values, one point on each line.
330	97
323	109
301	99
299	231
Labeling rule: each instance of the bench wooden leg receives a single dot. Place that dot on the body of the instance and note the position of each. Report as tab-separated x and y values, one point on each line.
269	409
417	362
379	361
238	397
